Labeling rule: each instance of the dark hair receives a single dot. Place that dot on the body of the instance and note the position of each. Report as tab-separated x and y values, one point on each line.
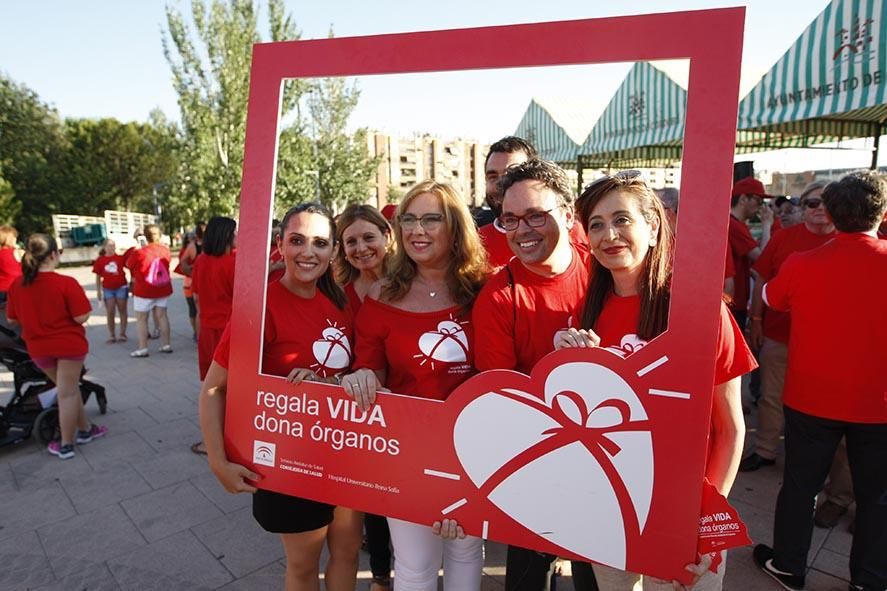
39	248
327	282
856	202
345	271
548	173
655	287
219	236
511	144
199	229
734	200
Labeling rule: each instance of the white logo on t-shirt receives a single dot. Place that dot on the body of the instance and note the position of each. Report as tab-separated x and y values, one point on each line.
111	268
448	344
630	343
332	351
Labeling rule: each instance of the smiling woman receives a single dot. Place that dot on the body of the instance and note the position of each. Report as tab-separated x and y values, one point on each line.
414	336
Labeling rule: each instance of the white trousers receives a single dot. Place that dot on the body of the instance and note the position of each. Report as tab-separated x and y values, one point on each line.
418	554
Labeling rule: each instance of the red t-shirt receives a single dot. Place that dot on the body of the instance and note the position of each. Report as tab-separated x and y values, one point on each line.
499	252
46	309
110	269
426	354
836	349
789	240
139	262
729	267
353	299
212	279
10	269
310	333
322	343
516	321
617	328
274	256
741	243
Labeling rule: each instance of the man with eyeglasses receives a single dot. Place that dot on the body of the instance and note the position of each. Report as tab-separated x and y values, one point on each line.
522	307
769	333
835	383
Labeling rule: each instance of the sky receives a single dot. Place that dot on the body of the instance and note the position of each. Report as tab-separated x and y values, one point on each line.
104	58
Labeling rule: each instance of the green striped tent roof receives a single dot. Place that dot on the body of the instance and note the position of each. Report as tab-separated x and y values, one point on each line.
642	126
828	86
550	138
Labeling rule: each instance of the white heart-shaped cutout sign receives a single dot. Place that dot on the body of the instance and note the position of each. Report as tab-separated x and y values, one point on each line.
573	464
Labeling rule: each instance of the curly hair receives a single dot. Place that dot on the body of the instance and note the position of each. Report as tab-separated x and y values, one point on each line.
856	202
468	268
655	287
548	173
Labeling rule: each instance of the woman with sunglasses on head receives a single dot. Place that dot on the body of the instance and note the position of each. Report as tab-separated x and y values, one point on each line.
414	336
300	308
364	236
627	305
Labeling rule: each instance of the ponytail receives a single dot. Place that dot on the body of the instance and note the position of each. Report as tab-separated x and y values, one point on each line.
39	248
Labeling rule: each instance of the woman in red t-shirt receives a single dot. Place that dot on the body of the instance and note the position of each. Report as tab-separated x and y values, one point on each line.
112	288
51	310
627	305
10	268
187	255
212	282
414	337
364	236
305	306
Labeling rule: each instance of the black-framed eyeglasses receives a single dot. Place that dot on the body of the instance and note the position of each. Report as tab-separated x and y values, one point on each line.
534	219
428	221
812	203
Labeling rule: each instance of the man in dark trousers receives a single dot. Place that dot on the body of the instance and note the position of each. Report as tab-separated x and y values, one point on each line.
835	383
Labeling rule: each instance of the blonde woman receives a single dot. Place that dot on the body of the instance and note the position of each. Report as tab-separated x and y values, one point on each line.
434	276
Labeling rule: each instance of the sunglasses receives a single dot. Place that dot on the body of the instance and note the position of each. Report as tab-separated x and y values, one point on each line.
812	203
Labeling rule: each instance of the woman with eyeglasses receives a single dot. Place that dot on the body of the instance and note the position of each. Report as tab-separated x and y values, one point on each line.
414	336
627	305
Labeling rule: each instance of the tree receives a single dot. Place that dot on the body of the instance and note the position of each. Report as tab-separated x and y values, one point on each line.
213	92
31	143
9	205
210	67
341	159
113	165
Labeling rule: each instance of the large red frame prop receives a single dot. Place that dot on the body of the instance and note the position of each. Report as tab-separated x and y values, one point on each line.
477	457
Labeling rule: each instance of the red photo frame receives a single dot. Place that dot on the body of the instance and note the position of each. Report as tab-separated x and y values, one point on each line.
624	485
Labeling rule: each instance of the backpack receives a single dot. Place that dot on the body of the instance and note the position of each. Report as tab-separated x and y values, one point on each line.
158	274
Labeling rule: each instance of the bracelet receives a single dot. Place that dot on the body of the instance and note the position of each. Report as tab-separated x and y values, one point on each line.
337	379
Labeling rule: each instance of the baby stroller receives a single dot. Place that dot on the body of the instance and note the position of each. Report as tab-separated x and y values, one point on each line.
33	408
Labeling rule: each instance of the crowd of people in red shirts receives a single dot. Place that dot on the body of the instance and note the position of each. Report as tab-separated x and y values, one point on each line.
546	271
549	270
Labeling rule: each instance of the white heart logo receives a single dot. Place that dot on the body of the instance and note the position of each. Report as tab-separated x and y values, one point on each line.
448	343
592	422
333	351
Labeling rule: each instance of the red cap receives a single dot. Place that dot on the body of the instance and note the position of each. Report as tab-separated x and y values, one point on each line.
388	211
749	186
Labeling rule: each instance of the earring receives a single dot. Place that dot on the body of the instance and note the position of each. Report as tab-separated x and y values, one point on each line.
652	242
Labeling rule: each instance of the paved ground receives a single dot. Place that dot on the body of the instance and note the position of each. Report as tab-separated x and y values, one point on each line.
138	511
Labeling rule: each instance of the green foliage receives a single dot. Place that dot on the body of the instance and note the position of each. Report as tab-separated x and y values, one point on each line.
210	67
341	159
31	143
9	205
